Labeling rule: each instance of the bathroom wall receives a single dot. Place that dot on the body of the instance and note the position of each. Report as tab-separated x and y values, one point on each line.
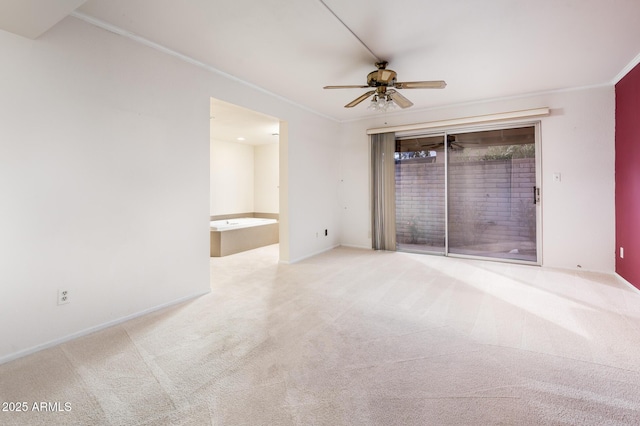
231	178
244	178
266	175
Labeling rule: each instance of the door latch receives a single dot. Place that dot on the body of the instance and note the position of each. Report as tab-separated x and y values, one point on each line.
536	195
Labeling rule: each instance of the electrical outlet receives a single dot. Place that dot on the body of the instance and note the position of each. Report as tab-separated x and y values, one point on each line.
63	297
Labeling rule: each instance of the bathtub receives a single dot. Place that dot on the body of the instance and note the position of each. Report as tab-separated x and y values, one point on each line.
242	222
230	236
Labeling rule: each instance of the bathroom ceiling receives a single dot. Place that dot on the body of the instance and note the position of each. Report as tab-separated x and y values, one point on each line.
483	49
231	123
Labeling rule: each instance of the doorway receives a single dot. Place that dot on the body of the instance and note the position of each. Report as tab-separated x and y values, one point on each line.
470	193
244	171
245	178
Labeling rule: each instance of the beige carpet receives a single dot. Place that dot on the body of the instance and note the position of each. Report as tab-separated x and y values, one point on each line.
354	337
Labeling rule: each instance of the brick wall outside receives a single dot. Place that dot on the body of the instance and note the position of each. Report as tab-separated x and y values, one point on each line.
491	201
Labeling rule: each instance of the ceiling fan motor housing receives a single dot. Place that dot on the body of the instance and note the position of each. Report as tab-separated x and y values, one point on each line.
381	77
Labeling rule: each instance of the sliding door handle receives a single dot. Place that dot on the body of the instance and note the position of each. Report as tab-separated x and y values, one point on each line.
536	195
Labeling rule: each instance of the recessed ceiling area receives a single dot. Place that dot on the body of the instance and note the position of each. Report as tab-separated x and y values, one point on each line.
230	122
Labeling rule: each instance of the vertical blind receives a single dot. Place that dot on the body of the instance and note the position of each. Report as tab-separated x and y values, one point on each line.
383	196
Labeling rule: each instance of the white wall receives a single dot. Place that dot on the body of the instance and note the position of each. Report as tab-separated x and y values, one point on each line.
313	177
577	141
244	178
104	176
232	178
266	175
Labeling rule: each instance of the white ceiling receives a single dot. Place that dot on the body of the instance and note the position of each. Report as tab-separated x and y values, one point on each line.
32	18
483	49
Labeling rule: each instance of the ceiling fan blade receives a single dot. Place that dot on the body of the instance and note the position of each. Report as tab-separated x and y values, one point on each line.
399	99
359	99
437	84
345	87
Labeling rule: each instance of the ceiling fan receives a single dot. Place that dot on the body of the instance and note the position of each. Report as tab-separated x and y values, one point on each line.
384	83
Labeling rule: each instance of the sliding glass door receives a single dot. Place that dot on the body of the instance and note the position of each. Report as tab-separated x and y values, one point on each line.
493	194
420	194
474	195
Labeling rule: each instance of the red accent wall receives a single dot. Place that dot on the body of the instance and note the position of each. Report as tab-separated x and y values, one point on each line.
628	176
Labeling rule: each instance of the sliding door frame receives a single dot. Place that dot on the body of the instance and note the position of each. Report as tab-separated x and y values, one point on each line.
538	179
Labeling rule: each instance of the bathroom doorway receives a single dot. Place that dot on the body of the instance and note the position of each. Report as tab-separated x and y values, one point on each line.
244	178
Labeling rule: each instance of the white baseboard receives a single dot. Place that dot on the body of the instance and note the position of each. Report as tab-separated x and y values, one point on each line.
309	255
86	331
631	286
356	246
